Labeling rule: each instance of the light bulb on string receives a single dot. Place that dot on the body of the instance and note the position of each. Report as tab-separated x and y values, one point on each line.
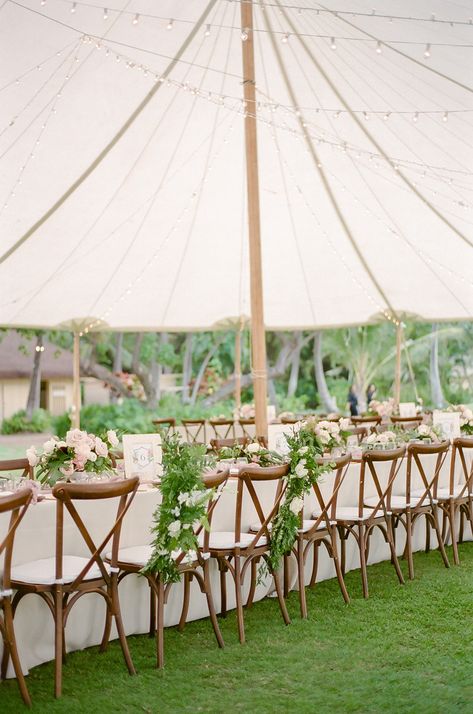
74	7
386	116
427	51
244	34
136	19
207	31
379	48
105	13
333	44
170	24
415	117
445	116
285	38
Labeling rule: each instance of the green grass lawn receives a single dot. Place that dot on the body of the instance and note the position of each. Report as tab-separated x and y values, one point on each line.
406	649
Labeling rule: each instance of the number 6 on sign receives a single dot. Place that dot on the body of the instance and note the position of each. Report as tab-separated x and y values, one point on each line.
143	457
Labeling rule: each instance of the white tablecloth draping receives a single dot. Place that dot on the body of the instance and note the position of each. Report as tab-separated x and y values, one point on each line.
36	539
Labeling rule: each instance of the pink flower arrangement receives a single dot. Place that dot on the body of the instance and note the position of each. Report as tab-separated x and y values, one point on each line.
79	451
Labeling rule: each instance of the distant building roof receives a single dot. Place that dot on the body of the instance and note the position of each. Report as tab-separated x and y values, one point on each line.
17	354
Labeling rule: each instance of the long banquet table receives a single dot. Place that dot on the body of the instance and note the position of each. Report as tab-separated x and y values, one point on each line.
36	539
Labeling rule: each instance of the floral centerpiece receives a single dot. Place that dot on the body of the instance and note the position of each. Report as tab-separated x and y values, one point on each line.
246	411
331	434
78	452
423	432
381	409
385	440
305	448
182	509
466	418
253	453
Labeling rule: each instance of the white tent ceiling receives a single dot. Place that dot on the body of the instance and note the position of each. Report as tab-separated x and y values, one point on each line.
365	154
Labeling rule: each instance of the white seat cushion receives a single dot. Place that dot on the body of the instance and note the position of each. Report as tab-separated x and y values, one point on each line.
306	526
138	555
347	513
43	572
224	540
400	501
444	494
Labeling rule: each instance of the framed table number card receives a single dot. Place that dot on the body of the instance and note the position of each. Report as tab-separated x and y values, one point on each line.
449	423
143	456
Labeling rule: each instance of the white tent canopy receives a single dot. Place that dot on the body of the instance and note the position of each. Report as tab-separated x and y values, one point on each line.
138	218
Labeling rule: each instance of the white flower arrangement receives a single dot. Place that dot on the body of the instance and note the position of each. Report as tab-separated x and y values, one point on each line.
424	432
382	409
385	440
466	418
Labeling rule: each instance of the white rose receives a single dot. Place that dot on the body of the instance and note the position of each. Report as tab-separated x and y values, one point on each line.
32	456
182	497
112	438
344	424
303	450
296	505
74	437
324	424
253	448
324	436
174	528
49	446
468	414
423	430
301	470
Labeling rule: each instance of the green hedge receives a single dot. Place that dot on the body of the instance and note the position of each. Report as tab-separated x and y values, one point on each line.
18	422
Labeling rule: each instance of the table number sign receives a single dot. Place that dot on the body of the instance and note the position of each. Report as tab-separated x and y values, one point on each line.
143	456
449	423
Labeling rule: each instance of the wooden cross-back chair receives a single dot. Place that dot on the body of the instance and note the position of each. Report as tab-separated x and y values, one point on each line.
321	529
370	512
458	497
414	503
132	560
62	580
364	420
407	423
222	428
17	465
16	505
164	425
217	444
195	430
248	428
361	432
236	551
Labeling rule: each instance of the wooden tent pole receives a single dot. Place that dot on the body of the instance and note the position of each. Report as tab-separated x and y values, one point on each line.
238	367
76	398
258	336
397	373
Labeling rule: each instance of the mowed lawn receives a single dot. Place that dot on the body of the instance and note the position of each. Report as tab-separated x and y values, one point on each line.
406	649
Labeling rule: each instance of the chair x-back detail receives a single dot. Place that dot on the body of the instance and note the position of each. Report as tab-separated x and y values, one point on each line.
16	505
17	465
371	512
165	426
222	428
195	430
248	428
61	581
218	444
414	503
236	551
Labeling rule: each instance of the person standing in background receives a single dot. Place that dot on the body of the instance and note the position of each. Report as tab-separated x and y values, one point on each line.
370	393
353	401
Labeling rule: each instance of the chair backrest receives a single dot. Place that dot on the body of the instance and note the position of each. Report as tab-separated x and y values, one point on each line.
288	419
222	428
17	465
17	505
66	494
462	474
164	425
357	420
248	475
218	444
419	460
369	470
361	432
407	422
215	480
248	427
327	502
195	430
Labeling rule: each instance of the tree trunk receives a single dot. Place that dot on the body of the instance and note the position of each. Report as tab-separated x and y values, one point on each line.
117	364
34	393
187	369
295	365
328	402
203	367
435	384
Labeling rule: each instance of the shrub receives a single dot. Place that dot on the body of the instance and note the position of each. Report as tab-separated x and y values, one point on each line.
40	422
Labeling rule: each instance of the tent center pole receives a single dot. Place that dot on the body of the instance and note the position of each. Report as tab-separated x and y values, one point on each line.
259	373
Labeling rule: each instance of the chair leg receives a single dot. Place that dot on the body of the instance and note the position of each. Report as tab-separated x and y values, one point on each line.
439	536
152	611
451	519
160	625
10	646
362	548
282	602
210	603
343	544
315	563
460	534
392	546
223	589
427	536
185	602
300	577
338	569
115	606
106	630
254	577
286	573
58	641
410	559
239	603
